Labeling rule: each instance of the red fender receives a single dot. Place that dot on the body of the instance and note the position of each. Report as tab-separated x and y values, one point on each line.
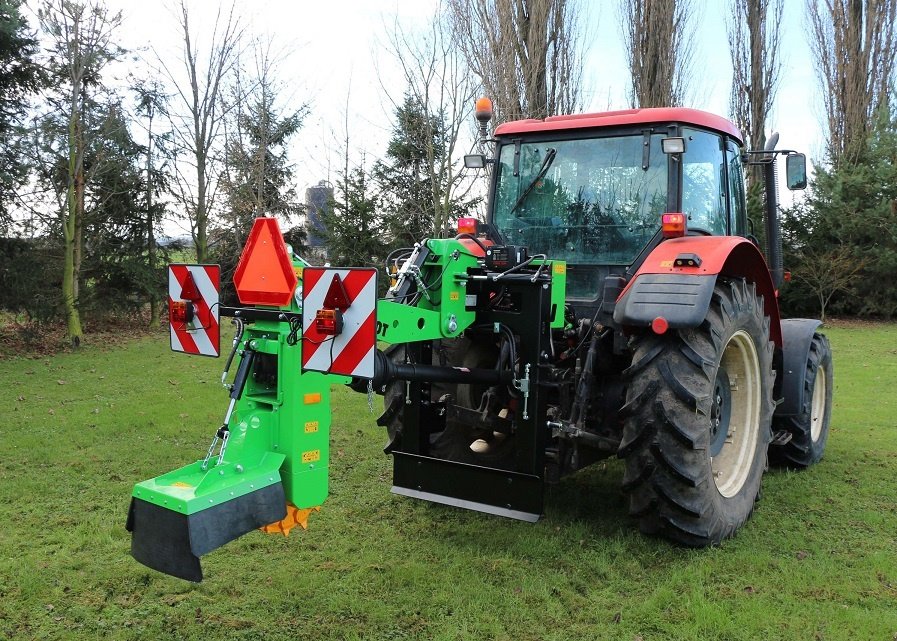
716	255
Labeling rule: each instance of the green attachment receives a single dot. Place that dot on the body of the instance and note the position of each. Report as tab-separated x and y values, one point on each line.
439	309
558	292
189	489
276	451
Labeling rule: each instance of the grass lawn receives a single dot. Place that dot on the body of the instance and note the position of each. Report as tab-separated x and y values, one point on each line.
817	561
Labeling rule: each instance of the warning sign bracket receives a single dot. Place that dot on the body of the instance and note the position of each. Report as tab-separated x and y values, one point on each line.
193	309
353	291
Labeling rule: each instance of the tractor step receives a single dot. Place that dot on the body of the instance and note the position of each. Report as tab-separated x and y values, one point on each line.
782	437
473	487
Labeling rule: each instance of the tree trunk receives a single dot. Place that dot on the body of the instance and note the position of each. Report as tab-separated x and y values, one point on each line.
150	227
71	230
201	238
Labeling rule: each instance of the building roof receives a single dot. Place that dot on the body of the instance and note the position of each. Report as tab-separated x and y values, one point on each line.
627	117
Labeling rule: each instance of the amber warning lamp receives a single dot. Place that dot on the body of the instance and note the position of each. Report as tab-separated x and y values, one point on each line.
673	225
329	319
483	112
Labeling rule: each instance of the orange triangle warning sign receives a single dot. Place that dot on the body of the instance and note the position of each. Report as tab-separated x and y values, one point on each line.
336	297
190	291
265	275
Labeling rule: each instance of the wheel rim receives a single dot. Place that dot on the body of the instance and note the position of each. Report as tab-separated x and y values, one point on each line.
817	407
735	448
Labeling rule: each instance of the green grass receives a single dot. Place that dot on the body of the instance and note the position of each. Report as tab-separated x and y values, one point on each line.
817	561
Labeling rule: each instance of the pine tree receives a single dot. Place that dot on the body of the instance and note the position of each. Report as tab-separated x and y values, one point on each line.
417	192
842	246
258	177
19	76
354	231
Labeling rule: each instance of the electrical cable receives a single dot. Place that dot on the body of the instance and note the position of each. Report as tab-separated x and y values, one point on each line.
295	327
473	238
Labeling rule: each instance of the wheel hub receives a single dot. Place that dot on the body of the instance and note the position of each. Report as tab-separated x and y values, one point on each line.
720	412
735	414
817	406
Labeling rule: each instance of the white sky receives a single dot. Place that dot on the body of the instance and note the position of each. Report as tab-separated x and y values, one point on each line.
336	61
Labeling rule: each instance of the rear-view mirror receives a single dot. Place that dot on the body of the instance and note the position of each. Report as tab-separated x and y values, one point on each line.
796	171
474	161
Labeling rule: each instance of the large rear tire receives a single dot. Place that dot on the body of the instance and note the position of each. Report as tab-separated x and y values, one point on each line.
809	429
697	421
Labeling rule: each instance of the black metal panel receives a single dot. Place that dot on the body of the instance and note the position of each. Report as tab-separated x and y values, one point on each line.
485	489
172	543
797	335
682	299
515	489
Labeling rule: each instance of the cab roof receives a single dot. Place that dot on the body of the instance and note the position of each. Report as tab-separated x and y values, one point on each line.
627	117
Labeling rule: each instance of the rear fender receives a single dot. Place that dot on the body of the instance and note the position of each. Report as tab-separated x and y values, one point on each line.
798	335
681	295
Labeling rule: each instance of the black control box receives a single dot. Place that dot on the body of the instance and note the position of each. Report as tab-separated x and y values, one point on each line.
502	257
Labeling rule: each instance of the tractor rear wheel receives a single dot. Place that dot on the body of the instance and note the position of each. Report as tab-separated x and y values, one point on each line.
809	429
697	421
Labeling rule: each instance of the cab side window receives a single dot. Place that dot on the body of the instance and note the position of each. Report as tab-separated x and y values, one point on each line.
737	211
703	186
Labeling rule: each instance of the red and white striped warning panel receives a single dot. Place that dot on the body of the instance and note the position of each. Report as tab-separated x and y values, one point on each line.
193	308
338	320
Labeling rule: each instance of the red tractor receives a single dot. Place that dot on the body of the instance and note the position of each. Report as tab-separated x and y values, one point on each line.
672	354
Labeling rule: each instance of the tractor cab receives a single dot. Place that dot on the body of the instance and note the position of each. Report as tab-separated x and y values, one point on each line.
593	189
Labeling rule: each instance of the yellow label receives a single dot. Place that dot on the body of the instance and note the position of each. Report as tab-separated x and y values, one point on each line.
311	456
311	426
666	263
180	484
454	296
560	268
311	399
298	270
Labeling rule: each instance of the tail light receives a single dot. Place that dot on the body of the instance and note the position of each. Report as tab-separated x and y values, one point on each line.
673	225
329	322
181	312
467	225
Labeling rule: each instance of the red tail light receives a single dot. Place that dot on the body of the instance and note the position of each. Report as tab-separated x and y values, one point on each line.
467	225
181	312
329	322
674	225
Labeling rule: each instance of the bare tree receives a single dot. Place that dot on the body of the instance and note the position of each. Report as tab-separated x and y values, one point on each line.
527	53
198	126
854	44
80	45
755	33
828	272
152	101
659	37
437	78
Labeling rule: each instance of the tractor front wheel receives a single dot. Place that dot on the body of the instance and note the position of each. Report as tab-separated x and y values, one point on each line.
697	421
809	429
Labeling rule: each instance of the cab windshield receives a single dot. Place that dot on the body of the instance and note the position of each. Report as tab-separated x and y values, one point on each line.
594	201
